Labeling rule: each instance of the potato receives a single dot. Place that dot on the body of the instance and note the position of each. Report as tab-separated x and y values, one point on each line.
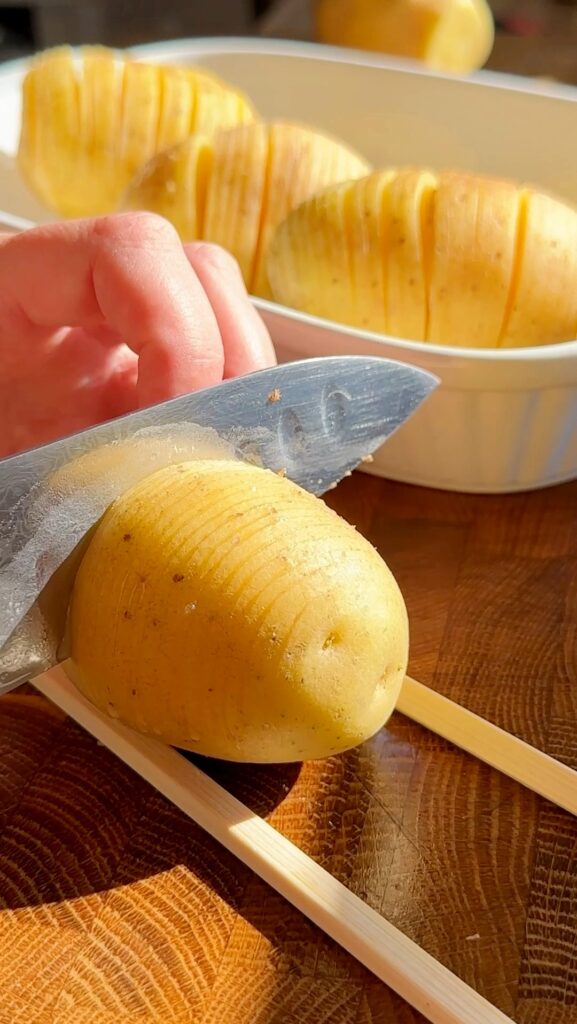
164	186
448	35
227	611
236	188
542	305
450	258
89	123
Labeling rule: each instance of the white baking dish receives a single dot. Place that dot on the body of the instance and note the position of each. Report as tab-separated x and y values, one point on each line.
500	421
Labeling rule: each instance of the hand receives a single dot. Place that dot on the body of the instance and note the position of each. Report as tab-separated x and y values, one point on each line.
100	317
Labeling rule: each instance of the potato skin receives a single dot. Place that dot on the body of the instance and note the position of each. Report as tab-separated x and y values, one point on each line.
451	258
448	35
91	121
235	188
227	611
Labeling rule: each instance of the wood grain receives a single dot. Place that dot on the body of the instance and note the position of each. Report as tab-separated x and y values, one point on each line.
117	909
359	929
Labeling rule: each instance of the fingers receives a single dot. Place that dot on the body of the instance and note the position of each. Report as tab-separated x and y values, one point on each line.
127	273
246	341
81	383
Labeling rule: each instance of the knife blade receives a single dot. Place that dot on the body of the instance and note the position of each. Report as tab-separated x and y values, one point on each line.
314	419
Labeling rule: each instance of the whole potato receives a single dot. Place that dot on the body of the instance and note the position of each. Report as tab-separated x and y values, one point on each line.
227	611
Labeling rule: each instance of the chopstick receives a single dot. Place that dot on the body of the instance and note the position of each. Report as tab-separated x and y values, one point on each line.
508	754
398	961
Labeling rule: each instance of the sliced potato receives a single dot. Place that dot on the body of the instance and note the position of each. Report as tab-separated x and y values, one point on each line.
50	99
407	199
91	121
140	116
465	260
164	186
100	120
258	173
475	239
177	109
543	300
235	193
226	611
366	229
300	163
309	263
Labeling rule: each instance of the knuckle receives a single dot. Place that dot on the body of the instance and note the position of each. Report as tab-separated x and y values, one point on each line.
139	228
219	259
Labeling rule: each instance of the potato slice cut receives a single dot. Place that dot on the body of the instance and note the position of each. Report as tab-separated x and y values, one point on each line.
357	254
137	141
258	174
407	202
100	103
175	185
367	225
467	260
91	120
235	193
543	304
178	95
309	260
475	239
300	163
51	129
226	611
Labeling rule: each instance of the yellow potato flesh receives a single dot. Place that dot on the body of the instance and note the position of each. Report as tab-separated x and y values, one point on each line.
450	258
225	610
90	123
463	38
448	35
256	175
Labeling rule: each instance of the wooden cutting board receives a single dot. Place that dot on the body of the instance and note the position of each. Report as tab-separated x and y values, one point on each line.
116	909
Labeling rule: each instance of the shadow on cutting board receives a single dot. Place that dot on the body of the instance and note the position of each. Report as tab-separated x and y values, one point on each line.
75	821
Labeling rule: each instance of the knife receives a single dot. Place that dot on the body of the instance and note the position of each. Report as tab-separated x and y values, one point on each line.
315	420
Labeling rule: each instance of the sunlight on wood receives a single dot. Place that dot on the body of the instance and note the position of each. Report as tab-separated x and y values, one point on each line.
416	976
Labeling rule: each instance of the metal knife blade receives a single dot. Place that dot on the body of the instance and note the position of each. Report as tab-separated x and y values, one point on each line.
316	419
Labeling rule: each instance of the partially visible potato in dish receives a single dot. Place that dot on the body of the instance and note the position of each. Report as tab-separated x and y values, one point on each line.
447	35
227	611
235	188
450	258
90	122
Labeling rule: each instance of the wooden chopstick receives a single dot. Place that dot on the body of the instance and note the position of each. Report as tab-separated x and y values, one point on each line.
508	754
415	975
